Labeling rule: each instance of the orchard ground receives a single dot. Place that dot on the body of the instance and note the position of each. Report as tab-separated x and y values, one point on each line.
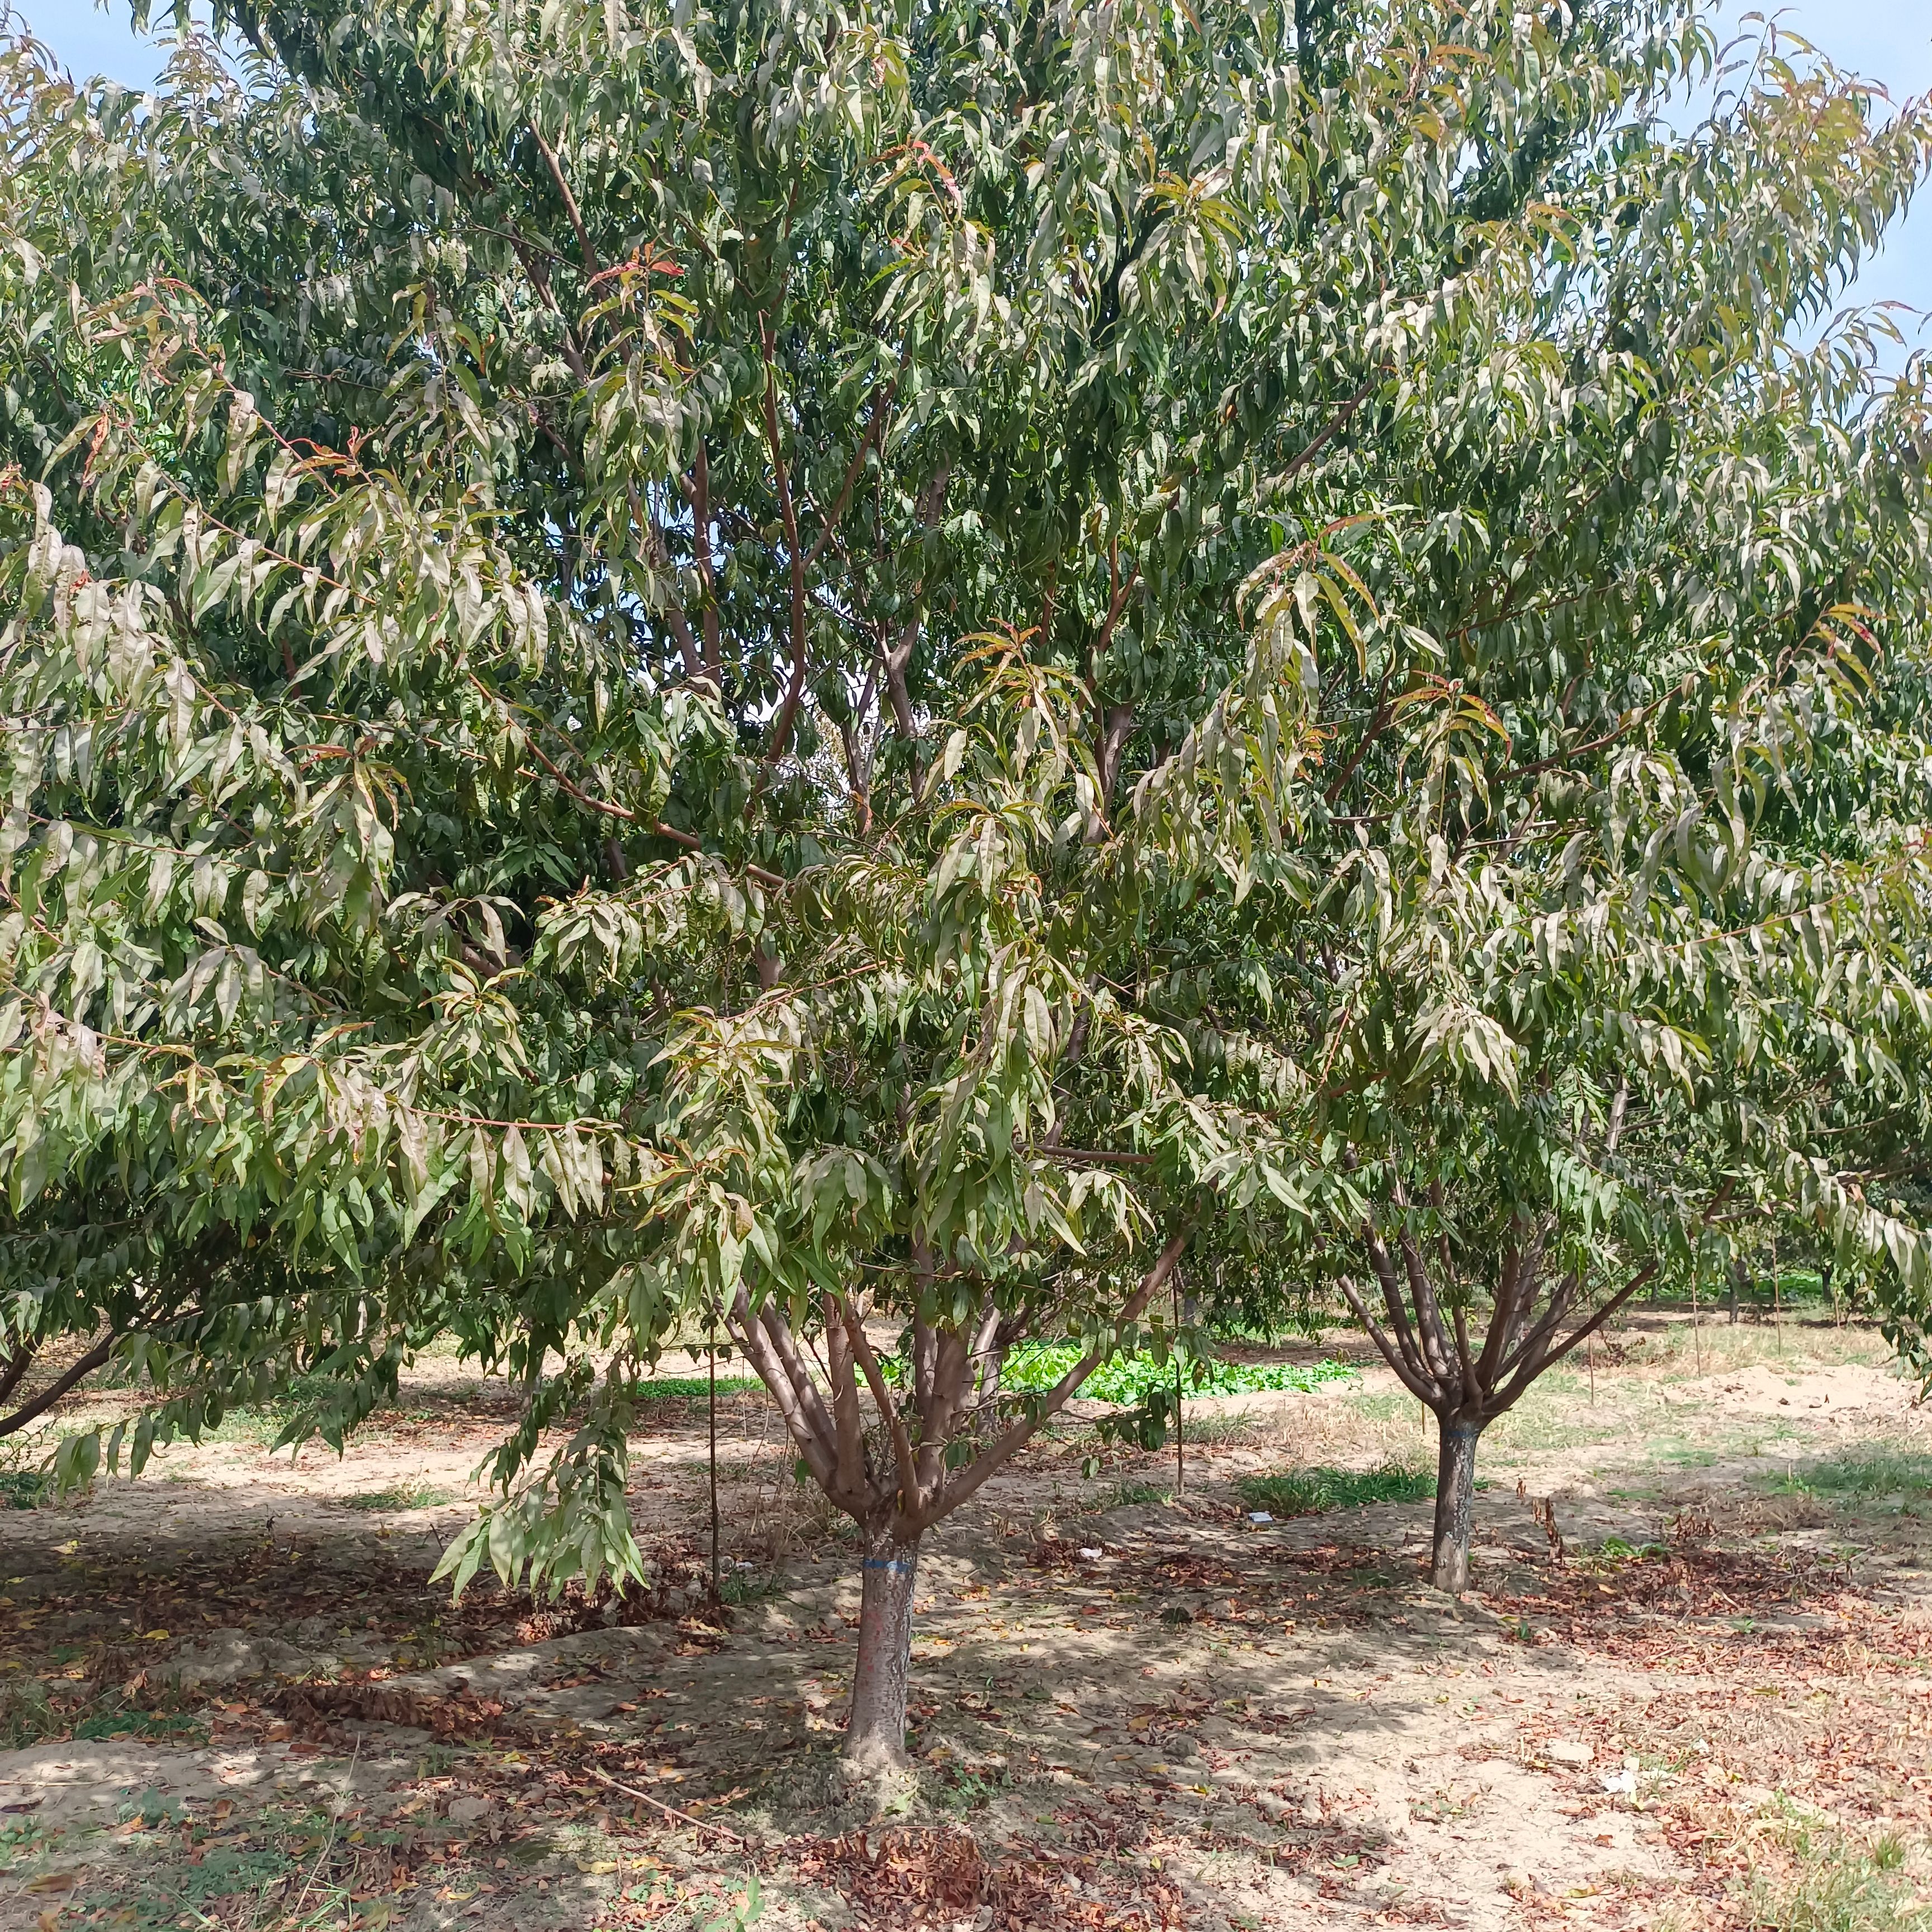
1692	1687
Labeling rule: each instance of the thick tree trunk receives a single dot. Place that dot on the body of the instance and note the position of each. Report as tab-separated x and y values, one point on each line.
875	1736
1455	1500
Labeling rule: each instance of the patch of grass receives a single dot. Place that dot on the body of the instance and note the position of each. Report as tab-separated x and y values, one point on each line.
1836	1885
1619	1549
1127	1496
1306	1492
399	1496
31	1714
1218	1429
1386	1408
965	1791
126	1723
1129	1379
743	1587
1862	1473
297	1872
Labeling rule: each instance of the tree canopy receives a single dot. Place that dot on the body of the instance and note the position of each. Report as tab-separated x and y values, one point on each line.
814	666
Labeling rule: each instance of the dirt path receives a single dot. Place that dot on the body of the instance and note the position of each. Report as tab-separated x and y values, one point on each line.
238	1702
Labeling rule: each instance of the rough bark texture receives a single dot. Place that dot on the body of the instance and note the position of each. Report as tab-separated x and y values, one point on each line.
875	1736
1455	1500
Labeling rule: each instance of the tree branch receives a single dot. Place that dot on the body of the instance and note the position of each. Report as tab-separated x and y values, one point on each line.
874	423
689	841
1385	1272
18	1363
1390	1353
902	1442
795	688
897	661
569	201
700	524
1314	449
815	1446
966	1481
651	538
31	1411
845	1410
1646	1273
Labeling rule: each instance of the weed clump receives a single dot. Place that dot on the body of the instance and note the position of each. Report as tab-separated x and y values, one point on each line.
1835	1884
1309	1492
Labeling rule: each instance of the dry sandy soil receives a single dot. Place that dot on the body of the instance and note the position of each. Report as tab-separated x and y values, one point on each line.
1691	1688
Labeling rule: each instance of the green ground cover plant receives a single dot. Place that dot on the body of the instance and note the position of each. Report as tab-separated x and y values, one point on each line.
1130	1379
1309	1492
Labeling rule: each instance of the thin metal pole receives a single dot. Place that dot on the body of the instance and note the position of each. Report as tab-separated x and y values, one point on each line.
711	1353
1590	1356
1179	1454
1776	1297
1697	1337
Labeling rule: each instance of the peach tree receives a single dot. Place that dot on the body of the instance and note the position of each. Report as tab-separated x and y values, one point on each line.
886	674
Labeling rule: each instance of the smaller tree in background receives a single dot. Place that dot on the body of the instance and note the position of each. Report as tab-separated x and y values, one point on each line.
1610	921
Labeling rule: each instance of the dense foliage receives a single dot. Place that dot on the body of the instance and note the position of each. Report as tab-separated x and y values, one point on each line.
958	667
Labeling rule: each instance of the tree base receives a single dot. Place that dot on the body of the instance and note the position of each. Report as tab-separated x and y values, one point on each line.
875	1731
873	1756
1455	1502
883	1790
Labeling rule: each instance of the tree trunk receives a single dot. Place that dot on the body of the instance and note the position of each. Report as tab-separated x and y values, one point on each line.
875	1735
1455	1500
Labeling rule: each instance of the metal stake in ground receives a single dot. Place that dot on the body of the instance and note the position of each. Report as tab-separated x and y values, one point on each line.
1776	1298
1180	1462
712	1356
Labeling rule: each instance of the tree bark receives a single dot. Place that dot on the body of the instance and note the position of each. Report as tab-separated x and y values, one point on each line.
875	1733
1455	1500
